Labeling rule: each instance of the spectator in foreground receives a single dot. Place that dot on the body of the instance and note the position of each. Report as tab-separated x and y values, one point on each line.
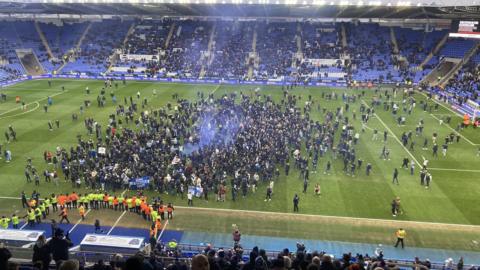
70	265
59	246
41	253
200	262
13	266
5	255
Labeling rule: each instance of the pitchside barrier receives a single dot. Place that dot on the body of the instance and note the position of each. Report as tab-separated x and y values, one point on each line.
109	243
19	238
171	80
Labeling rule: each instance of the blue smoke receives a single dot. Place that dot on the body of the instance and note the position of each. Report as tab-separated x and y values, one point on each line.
216	127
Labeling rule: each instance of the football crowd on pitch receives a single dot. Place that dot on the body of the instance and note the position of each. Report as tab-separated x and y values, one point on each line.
217	144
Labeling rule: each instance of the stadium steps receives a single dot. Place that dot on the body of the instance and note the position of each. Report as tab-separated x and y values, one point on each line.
394	41
344	37
115	56
299	54
84	34
77	46
434	51
466	58
254	50
299	39
44	40
210	54
30	62
170	34
440	71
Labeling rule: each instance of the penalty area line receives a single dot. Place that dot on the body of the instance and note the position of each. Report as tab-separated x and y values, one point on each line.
454	170
216	88
36	101
161	232
456	132
78	222
24	225
116	222
393	135
22	113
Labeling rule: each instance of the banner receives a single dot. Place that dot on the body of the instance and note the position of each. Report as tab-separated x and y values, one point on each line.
139	183
196	191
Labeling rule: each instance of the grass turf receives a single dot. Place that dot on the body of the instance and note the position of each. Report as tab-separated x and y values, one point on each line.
452	198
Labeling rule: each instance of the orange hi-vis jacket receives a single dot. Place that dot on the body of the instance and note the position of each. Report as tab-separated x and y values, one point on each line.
134	199
61	200
73	197
143	206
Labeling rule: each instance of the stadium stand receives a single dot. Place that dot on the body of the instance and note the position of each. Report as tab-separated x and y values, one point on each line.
11	68
370	49
230	52
184	52
97	47
368	57
275	46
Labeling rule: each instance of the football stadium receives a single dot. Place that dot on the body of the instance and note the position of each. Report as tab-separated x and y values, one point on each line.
239	134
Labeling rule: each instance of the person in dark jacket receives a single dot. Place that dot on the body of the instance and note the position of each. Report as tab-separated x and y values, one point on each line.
41	253
59	246
5	255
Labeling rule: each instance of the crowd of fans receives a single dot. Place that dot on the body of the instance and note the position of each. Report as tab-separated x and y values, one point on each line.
276	45
227	141
231	51
466	84
234	258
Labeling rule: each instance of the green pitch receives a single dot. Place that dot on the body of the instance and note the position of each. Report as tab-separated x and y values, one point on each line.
452	198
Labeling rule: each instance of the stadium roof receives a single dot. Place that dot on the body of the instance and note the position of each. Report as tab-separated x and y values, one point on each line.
388	9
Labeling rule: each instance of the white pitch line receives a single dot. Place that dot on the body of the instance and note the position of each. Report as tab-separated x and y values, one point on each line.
78	222
36	101
394	136
22	113
161	232
448	126
116	222
11	198
454	170
24	225
216	88
440	103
